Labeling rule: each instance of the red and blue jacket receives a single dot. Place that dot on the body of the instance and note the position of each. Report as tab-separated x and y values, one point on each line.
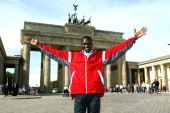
87	73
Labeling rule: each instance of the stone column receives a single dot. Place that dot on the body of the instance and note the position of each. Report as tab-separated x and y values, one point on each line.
108	74
67	82
20	75
130	77
153	73
57	69
16	74
60	78
146	75
26	64
163	75
42	72
156	73
139	77
47	73
4	75
20	70
119	71
66	75
124	78
1	72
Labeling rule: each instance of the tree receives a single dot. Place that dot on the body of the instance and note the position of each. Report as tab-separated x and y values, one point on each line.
10	76
53	84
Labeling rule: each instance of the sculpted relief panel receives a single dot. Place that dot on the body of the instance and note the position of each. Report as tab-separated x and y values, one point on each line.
79	29
76	30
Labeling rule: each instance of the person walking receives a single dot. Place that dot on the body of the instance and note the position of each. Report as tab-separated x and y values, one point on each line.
65	94
121	88
143	87
6	89
86	68
128	88
23	89
156	85
15	89
135	88
29	90
132	88
147	87
117	88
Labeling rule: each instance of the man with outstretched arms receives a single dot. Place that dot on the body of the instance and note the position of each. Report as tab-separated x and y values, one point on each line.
87	69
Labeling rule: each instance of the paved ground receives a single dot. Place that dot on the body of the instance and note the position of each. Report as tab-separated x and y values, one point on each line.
110	103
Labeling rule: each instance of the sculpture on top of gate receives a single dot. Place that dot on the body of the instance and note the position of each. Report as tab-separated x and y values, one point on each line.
74	20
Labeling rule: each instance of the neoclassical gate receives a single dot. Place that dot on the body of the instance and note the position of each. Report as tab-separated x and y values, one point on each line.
68	37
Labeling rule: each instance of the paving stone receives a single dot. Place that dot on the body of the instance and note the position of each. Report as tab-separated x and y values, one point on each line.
110	103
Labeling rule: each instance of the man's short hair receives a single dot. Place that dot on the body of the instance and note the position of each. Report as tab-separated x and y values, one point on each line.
88	37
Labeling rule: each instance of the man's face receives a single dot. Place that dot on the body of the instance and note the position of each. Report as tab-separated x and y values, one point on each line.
87	45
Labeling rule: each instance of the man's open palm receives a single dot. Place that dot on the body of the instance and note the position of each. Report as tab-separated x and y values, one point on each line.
33	41
140	33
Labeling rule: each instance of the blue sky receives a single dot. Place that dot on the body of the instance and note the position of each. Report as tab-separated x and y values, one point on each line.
112	15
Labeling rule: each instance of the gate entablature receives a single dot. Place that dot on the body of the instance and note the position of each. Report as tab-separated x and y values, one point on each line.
70	34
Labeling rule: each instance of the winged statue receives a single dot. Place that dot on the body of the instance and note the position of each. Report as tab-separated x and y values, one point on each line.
75	7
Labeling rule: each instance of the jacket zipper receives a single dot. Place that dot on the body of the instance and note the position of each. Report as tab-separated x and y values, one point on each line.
86	58
86	72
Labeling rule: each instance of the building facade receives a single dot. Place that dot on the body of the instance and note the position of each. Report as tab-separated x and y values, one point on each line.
149	70
10	62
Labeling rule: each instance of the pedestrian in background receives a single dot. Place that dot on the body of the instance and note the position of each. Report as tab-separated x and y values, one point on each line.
65	94
23	89
6	89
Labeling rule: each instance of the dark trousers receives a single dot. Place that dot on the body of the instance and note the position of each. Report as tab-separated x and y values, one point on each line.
121	90
91	102
66	94
6	92
117	90
15	92
156	89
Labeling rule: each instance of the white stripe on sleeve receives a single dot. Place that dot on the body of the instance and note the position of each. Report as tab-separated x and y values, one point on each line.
69	56
103	56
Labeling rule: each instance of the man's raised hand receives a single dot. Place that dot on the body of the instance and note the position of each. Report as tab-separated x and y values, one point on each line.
33	41
140	33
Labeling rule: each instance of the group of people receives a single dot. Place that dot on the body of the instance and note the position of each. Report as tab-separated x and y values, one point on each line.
11	89
134	88
29	89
